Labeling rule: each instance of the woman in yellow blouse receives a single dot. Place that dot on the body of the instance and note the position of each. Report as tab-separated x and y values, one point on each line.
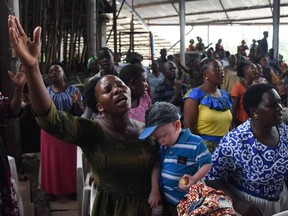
207	108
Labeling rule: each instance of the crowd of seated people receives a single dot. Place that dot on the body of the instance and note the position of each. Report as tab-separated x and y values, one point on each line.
232	104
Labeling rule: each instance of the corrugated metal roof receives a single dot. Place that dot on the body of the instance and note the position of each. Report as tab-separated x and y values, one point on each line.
148	16
151	13
199	12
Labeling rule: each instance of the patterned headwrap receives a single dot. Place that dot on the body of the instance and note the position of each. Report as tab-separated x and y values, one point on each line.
91	61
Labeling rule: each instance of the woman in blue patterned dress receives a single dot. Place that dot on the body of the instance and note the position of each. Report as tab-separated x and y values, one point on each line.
251	162
58	159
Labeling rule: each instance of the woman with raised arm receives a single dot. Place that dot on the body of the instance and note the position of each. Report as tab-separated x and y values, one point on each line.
122	162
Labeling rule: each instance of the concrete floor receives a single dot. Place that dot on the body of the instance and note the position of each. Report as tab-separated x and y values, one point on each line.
34	199
26	197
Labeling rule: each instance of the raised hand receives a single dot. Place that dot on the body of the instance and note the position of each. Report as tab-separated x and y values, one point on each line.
19	79
28	51
76	96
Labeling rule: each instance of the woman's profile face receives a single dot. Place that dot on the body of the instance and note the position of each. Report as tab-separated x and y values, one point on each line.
113	95
140	86
264	61
252	71
269	109
214	72
260	69
170	71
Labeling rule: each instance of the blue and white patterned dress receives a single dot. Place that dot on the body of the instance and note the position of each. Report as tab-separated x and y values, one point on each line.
249	166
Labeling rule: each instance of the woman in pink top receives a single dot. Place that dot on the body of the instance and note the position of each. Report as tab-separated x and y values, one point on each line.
136	79
247	72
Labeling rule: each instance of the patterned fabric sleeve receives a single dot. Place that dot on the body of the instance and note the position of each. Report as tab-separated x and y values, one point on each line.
249	165
221	103
8	204
6	114
194	93
4	107
223	159
8	198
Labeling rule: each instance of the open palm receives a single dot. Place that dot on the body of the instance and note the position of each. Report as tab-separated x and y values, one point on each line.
28	51
19	78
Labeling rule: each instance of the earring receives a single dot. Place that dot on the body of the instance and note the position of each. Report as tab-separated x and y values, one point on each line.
255	116
206	78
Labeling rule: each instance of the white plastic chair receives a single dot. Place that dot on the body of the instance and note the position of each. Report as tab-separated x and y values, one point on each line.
92	196
15	184
83	187
284	213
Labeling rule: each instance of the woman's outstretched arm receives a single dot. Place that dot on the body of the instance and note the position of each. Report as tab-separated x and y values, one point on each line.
28	52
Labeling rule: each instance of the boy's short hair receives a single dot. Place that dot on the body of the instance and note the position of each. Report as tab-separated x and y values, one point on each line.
160	113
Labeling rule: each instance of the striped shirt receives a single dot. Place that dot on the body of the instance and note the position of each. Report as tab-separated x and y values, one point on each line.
186	156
